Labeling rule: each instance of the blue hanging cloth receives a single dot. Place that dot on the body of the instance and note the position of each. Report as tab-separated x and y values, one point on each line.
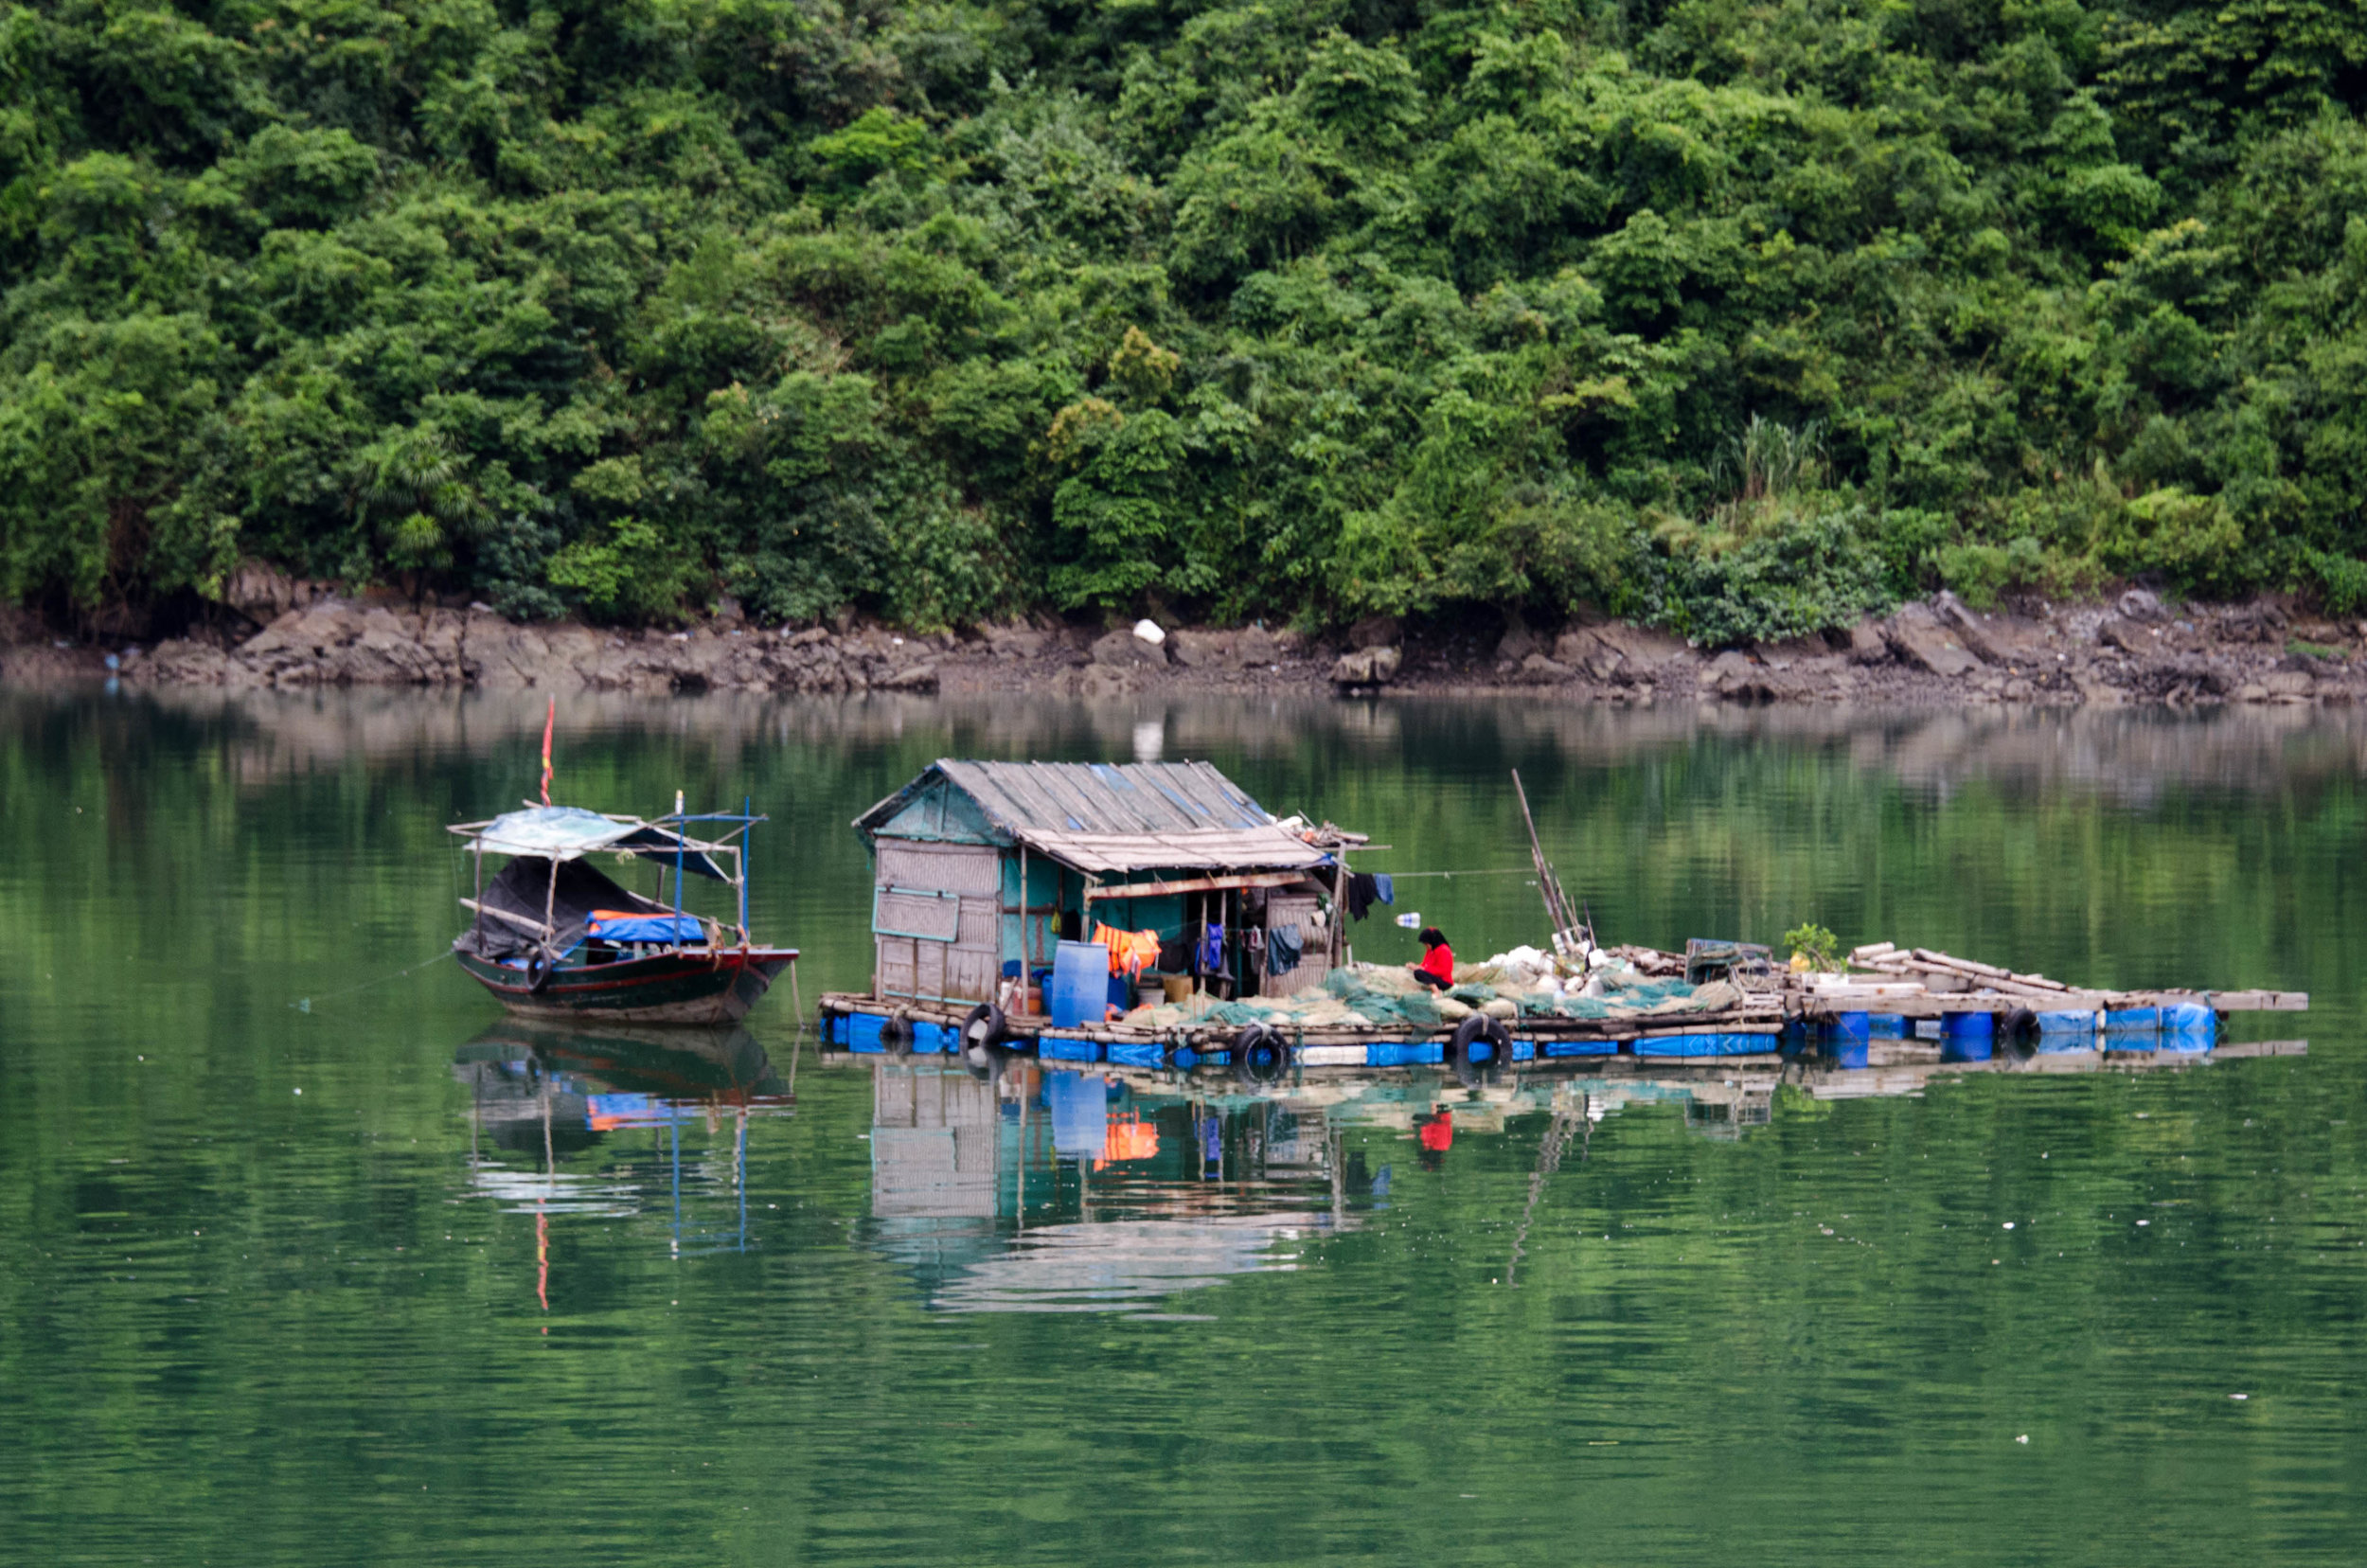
1210	958
1384	890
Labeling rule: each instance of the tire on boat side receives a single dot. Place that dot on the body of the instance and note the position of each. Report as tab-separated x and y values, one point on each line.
538	973
1261	1041
1473	1031
896	1034
2020	1030
984	1028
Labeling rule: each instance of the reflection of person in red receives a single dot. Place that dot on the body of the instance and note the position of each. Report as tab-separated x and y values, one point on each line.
1435	1133
1436	969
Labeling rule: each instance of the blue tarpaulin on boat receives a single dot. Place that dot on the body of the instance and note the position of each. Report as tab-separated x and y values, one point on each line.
613	927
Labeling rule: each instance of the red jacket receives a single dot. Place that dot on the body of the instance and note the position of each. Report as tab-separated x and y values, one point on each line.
1440	962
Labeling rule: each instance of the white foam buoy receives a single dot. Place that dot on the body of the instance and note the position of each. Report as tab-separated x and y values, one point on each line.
1149	630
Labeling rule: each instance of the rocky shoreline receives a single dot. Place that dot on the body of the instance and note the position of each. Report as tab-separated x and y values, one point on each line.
2133	650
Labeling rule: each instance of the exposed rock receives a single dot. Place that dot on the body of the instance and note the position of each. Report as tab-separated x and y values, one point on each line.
1867	645
1122	650
2287	683
1369	666
1644	650
2127	637
2140	605
259	591
1517	643
918	677
1254	645
1375	631
1955	616
1537	669
1200	650
1917	636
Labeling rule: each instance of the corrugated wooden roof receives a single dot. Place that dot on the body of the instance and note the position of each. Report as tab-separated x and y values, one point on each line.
1106	816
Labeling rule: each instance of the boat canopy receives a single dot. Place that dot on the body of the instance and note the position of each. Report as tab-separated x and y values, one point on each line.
567	833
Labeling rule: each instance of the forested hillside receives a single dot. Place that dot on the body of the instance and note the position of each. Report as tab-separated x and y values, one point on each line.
1742	318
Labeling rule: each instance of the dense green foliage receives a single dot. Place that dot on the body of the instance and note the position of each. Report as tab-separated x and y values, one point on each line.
1744	318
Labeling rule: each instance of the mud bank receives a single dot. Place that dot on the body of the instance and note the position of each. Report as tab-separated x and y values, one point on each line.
2133	650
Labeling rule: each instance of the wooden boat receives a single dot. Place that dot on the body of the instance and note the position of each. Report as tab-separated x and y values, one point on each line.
552	936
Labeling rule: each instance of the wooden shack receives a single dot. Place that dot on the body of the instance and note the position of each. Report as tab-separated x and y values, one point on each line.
980	868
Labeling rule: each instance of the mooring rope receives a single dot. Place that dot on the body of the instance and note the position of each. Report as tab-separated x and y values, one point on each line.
303	1005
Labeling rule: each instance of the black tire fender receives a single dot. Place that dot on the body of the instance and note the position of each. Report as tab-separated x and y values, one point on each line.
1480	1029
1260	1055
985	1027
538	973
896	1034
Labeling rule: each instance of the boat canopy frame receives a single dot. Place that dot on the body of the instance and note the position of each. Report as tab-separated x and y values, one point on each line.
562	833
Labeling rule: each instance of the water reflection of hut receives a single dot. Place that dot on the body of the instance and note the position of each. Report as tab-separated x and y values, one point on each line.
1042	1190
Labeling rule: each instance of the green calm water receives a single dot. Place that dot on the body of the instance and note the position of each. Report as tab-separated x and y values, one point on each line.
270	1289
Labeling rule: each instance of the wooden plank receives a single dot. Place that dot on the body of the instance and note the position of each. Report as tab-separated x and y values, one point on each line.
1193	884
534	928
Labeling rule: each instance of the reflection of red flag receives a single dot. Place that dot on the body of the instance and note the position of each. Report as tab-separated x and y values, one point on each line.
548	719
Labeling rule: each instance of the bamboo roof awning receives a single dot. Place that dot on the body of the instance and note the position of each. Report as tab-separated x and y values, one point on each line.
1268	848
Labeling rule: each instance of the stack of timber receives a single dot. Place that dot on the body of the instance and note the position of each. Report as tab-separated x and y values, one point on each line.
1921	983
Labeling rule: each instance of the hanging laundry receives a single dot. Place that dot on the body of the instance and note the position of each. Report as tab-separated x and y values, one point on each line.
1384	889
1130	952
1282	947
1211	954
1364	892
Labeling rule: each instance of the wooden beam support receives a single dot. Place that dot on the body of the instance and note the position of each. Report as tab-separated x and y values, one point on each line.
1199	884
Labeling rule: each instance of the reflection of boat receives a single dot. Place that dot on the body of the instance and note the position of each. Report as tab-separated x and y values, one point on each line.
718	1066
552	936
550	1095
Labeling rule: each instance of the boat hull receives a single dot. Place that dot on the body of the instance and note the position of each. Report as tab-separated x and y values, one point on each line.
700	988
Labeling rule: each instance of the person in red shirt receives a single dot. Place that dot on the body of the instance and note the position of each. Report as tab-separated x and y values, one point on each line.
1436	969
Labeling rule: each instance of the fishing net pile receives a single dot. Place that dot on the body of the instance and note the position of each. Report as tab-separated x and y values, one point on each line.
1521	984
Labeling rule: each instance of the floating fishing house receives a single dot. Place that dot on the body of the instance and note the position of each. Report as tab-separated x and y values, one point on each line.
993	876
982	868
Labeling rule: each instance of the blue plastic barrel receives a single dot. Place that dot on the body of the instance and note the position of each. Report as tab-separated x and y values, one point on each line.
1887	1026
2189	1026
1080	985
1967	1036
1855	1026
2067	1022
1841	1050
2127	1018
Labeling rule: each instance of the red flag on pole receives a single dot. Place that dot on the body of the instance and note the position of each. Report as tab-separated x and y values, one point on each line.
548	719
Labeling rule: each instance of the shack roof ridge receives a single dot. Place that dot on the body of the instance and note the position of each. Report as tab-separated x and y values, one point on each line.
1111	816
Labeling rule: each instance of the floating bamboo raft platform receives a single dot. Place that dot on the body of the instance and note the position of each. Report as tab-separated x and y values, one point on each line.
1777	1011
